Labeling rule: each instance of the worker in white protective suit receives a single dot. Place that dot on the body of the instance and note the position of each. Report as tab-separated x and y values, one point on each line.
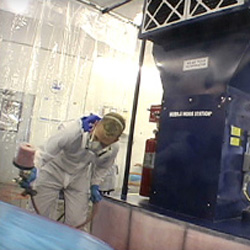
76	161
108	184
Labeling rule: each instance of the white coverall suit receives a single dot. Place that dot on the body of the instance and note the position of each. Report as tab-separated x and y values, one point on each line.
64	163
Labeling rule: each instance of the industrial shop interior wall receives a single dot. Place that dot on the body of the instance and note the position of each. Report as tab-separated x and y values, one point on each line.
63	59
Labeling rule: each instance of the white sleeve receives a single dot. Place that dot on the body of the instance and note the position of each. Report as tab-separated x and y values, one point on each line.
56	143
102	165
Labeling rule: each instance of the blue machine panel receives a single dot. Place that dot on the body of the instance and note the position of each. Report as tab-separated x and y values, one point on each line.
230	198
189	154
198	166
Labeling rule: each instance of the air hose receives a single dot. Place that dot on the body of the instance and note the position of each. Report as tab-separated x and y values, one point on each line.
90	217
31	192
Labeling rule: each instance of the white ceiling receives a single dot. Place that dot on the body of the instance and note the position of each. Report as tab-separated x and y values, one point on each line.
128	10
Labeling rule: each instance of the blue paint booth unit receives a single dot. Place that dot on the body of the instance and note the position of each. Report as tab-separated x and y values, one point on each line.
202	50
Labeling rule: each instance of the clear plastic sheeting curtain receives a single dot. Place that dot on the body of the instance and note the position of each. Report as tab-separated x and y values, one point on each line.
59	60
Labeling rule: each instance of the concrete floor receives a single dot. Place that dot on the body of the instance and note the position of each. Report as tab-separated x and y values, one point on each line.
11	193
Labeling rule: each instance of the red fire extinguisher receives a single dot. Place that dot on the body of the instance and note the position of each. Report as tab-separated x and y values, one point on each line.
149	156
148	165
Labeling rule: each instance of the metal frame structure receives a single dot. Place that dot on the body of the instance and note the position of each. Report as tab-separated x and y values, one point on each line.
163	13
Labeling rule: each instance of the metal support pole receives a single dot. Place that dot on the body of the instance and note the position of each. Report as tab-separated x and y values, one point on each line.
132	124
108	9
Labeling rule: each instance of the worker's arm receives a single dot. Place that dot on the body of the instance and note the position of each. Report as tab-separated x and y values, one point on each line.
103	164
99	171
53	146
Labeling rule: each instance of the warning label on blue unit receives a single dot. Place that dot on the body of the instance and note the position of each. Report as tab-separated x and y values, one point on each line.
198	63
203	113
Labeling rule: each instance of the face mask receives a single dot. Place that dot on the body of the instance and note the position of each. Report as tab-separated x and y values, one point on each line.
95	146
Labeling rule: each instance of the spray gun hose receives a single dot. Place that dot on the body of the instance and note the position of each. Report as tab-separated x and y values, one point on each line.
34	204
89	218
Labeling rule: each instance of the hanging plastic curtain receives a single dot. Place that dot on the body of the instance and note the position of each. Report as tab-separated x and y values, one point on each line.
59	60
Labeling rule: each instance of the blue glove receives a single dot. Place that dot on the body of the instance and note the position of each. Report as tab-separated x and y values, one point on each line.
95	194
27	178
89	121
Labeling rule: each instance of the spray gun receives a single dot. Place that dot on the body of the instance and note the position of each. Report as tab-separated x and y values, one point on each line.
24	161
25	177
